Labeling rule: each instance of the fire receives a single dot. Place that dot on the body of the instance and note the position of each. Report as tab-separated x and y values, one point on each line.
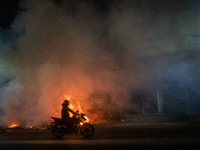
79	106
68	97
72	107
13	126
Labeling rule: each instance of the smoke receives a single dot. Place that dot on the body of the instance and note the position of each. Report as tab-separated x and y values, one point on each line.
94	51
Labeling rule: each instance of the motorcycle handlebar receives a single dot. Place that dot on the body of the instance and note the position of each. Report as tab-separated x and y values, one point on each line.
76	113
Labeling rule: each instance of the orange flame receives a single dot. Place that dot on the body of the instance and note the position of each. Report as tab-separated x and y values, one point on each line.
79	107
68	97
70	105
13	126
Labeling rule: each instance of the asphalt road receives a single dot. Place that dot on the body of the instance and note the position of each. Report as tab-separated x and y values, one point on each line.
115	135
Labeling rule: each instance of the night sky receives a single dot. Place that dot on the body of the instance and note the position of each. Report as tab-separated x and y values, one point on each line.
8	11
53	48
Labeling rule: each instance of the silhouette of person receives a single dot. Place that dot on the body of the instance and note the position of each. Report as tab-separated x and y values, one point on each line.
65	114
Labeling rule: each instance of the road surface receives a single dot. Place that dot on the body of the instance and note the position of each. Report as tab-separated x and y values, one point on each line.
115	135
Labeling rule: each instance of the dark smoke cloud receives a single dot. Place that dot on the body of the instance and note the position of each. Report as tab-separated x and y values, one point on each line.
87	48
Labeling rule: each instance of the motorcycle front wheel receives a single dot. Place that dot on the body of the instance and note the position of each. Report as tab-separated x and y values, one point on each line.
87	130
58	131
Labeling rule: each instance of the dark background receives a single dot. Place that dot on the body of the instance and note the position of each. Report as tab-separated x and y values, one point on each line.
8	11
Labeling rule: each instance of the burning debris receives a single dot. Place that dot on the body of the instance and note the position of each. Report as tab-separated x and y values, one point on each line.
19	128
13	126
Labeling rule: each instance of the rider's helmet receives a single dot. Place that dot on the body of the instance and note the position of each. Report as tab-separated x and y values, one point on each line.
66	102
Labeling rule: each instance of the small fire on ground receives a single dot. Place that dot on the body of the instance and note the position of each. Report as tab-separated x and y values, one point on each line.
13	126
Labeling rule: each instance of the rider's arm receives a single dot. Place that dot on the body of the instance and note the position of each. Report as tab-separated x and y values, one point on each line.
70	110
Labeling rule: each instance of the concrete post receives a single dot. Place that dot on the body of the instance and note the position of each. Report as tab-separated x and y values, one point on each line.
159	101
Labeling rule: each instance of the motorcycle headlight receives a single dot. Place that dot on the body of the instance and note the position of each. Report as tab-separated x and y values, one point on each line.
85	117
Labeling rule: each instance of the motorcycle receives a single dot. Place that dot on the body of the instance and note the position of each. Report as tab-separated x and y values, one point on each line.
78	122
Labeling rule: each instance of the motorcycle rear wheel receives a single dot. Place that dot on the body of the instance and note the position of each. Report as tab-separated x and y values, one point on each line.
58	131
87	130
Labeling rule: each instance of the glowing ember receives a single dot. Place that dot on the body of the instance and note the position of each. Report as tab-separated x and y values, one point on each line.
81	123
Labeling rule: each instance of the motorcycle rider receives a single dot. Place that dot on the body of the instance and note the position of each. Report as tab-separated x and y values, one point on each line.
65	114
